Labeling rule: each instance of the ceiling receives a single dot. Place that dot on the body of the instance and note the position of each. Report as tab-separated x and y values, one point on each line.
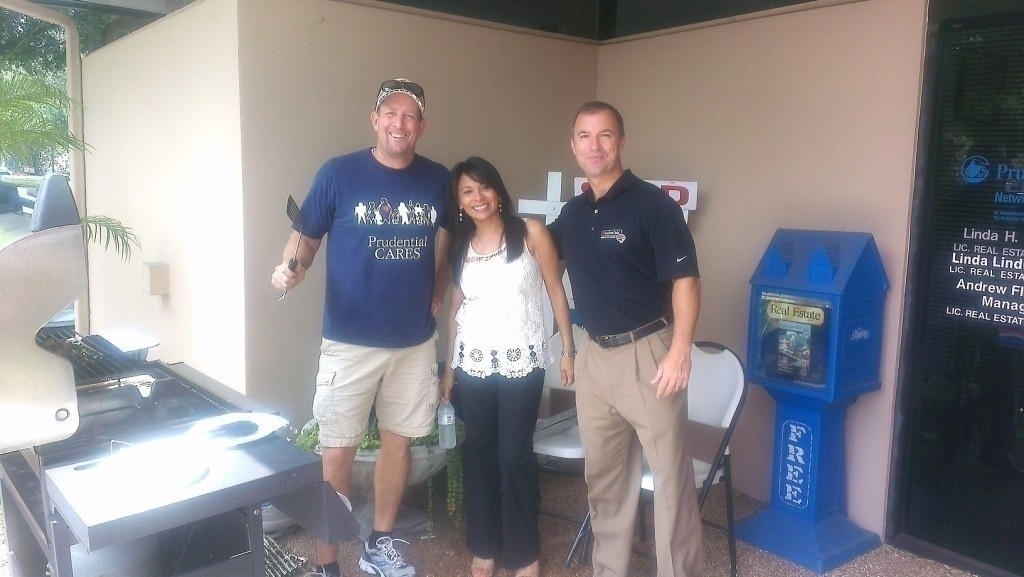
592	19
598	19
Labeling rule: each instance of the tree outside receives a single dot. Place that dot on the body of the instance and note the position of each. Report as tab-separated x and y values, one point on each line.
33	104
34	135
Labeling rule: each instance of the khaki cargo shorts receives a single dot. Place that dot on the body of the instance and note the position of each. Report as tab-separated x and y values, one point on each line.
351	378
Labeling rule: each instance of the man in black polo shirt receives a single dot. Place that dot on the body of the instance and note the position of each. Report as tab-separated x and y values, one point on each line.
633	269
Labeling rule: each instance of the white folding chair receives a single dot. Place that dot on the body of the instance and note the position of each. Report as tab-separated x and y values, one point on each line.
715	395
559	436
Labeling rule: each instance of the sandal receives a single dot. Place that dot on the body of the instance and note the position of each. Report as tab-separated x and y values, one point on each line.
482	567
531	570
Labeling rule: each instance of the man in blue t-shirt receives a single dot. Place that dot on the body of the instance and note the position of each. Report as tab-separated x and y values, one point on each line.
386	278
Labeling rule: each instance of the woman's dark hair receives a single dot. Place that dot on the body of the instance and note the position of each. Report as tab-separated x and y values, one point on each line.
462	230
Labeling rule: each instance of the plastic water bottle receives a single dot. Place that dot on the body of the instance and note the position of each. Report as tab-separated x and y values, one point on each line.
446	425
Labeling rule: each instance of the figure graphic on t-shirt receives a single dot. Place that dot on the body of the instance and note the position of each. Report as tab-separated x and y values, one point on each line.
433	215
371	213
360	213
384	208
403	212
417	212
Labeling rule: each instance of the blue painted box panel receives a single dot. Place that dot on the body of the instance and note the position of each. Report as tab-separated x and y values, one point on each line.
816	305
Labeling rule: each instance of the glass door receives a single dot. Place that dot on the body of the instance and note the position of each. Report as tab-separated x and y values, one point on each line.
961	455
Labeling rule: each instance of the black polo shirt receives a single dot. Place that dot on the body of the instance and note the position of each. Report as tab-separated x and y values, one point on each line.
623	251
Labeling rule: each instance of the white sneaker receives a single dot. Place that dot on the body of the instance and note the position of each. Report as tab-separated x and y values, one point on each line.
384	560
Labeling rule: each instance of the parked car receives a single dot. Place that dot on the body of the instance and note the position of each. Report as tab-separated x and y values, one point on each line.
9	201
18	192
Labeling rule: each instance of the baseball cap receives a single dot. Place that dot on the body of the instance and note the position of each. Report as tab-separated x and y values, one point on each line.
403	85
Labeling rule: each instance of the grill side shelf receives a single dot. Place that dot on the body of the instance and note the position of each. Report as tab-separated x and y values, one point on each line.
214	391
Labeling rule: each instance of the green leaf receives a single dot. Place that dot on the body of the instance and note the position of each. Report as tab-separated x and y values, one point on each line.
106	231
33	116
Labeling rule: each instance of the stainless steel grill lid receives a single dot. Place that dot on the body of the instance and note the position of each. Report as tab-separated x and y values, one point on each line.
44	272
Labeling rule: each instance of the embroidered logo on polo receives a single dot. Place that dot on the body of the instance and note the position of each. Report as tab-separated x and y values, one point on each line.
615	234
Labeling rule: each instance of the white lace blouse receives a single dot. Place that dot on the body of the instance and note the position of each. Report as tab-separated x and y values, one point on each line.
500	325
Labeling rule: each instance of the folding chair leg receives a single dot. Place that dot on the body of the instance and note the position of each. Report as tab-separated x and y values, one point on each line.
586	548
581	542
730	520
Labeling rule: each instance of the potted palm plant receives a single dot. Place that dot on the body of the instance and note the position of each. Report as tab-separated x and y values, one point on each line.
427	459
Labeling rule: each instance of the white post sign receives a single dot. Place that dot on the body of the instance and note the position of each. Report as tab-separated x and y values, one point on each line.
548	208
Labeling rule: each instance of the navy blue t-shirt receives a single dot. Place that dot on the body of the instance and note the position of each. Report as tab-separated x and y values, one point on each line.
380	224
622	252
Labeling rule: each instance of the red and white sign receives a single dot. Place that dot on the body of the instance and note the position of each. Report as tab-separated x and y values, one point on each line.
683	192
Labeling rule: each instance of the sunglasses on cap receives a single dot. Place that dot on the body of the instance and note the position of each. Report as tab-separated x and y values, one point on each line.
404	86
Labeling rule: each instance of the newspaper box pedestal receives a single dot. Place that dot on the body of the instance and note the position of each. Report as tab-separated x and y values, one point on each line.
814	344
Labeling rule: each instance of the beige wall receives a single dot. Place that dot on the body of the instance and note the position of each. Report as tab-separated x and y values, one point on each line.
806	120
309	76
234	107
162	119
803	120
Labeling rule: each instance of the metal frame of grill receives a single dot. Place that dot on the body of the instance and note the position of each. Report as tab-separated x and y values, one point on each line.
211	529
67	490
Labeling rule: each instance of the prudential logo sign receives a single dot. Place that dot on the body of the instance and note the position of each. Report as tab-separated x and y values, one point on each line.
975	169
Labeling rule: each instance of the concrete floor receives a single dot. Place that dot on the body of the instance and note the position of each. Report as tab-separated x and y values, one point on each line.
445	556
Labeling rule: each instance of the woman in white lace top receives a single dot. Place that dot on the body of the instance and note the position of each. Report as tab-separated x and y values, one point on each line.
501	265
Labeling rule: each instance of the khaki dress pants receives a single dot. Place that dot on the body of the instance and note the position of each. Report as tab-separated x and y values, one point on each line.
621	420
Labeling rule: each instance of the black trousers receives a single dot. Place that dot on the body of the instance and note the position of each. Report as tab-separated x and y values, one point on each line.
501	484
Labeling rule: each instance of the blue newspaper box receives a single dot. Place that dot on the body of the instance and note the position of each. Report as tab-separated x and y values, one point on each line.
816	308
814	343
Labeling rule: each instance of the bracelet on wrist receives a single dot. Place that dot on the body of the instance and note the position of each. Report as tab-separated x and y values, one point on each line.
569	355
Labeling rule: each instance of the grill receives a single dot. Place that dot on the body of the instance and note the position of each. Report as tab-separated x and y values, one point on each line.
160	472
123	401
93	357
188	517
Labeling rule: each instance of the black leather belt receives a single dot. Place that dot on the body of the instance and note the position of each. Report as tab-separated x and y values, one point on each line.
612	341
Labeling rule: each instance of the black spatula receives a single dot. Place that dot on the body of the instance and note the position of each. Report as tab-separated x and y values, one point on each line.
293	212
